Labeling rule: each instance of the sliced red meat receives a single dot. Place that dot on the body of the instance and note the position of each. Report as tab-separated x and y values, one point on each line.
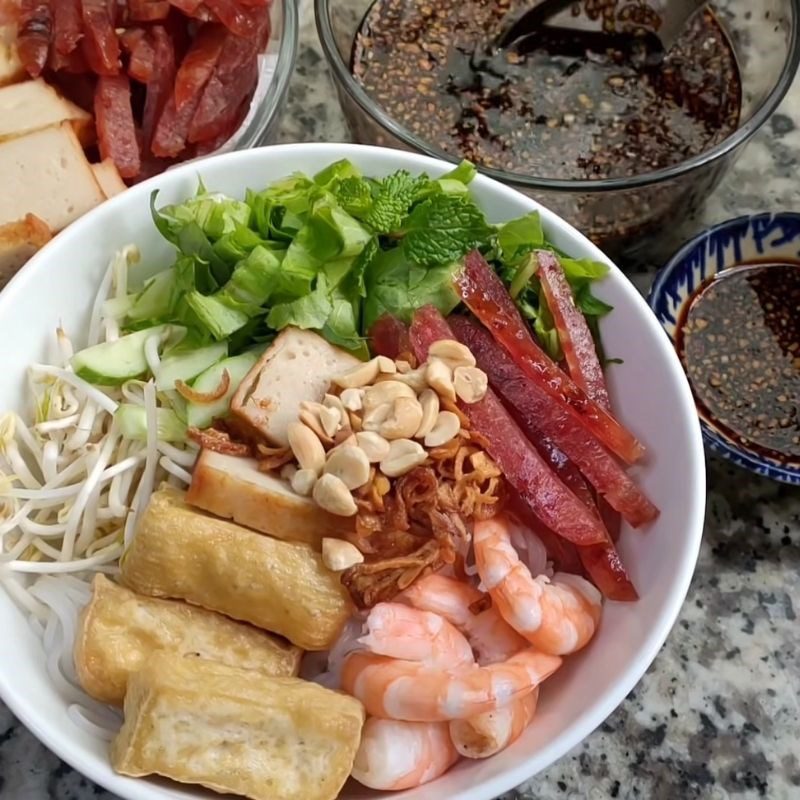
67	25
388	337
574	335
234	77
552	502
148	10
116	132
579	349
35	33
171	133
139	44
237	20
160	87
483	292
73	63
100	43
212	145
198	64
544	420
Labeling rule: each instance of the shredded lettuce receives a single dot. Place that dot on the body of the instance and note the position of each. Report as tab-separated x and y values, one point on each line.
332	252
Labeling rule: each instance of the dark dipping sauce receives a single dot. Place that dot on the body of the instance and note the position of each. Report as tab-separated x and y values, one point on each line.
559	111
739	340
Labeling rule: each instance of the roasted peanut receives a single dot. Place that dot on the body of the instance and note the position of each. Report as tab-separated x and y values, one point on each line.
331	494
429	401
386	365
374	418
360	375
453	353
404	455
470	384
352	399
330	419
306	446
445	428
350	465
338	555
386	392
440	378
303	481
373	444
404	419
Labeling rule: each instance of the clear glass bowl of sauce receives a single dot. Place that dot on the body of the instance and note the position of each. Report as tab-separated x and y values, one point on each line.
618	150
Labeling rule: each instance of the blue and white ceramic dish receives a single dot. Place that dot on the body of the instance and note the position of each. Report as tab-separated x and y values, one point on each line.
760	237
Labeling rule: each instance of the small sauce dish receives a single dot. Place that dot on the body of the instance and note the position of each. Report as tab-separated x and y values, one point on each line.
730	302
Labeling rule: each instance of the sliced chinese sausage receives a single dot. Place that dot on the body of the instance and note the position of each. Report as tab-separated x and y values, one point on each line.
67	25
116	131
198	64
100	43
232	81
148	10
159	88
35	35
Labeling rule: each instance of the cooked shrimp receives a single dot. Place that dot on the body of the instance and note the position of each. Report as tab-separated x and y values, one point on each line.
400	755
493	640
484	735
491	637
557	616
408	690
398	631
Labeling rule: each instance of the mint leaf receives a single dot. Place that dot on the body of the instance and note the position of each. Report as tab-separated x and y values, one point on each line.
354	195
396	286
395	195
444	228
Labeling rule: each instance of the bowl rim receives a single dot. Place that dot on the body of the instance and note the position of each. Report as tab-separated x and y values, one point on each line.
695	500
344	80
667	276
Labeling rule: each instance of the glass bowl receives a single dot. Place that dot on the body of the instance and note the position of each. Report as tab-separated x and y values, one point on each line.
261	124
631	218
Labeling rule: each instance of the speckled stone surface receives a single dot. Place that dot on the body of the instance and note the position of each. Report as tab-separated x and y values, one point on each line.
717	715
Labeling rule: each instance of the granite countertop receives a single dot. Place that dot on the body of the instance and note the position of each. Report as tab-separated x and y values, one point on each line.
717	714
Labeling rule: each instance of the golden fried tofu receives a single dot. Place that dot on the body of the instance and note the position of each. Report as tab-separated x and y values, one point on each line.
279	586
233	730
119	630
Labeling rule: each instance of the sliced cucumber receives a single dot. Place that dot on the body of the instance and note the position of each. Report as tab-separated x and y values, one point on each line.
201	415
186	366
113	363
132	423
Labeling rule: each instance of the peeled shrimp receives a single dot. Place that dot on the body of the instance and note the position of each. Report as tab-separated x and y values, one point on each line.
557	616
400	755
408	690
491	637
398	631
485	734
494	640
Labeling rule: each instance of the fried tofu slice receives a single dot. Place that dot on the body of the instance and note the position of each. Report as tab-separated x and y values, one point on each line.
120	630
233	730
34	105
279	586
298	366
108	178
235	488
18	242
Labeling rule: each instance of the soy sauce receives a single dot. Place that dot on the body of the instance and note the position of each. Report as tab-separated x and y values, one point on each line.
739	340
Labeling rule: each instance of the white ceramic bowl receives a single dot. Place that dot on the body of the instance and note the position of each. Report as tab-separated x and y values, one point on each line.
649	391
